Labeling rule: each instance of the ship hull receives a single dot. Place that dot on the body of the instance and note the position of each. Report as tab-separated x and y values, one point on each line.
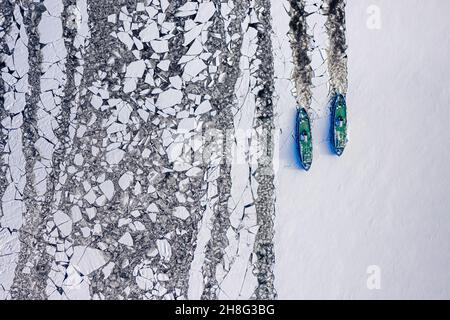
304	138
339	124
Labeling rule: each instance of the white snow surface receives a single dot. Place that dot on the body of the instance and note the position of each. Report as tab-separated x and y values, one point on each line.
386	201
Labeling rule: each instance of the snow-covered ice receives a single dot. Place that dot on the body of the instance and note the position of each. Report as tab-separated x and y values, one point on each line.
385	202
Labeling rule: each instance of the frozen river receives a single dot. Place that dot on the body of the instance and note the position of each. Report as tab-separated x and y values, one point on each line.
147	150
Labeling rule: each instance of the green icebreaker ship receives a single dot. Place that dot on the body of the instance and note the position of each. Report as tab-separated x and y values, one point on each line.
339	124
304	138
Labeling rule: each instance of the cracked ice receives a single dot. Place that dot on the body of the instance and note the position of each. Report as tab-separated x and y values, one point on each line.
118	126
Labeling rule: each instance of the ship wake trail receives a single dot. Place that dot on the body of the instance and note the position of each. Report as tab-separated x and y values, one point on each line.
32	265
337	56
234	253
12	101
219	176
264	125
301	48
46	126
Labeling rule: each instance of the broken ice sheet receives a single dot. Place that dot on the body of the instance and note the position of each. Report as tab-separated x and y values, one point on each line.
193	68
150	32
135	69
125	180
160	46
169	98
126	239
205	12
63	222
107	188
181	213
204	107
164	249
87	259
